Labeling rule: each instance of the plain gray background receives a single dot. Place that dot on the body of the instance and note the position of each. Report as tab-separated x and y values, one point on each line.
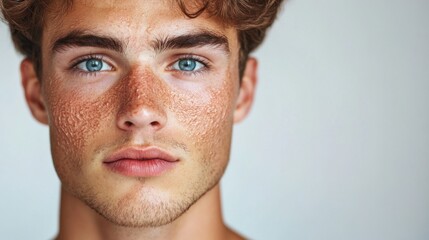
336	147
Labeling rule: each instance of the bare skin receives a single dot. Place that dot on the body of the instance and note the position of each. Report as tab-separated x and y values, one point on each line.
202	221
123	74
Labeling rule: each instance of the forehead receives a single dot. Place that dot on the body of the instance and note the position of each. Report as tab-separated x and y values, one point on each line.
127	9
131	20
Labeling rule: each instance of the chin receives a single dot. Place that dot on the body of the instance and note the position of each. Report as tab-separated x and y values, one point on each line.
141	208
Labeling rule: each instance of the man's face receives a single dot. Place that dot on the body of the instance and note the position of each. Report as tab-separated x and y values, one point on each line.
138	75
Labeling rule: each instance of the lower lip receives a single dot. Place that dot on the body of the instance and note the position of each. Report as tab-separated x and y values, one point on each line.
141	168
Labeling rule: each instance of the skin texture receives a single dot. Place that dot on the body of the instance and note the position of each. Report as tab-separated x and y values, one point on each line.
140	100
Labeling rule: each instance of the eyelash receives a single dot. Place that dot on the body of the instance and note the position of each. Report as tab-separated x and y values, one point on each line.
78	61
204	62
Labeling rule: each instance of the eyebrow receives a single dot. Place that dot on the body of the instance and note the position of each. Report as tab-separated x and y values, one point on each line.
80	38
198	39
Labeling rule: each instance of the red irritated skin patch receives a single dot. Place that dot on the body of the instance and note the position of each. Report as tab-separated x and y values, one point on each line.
140	100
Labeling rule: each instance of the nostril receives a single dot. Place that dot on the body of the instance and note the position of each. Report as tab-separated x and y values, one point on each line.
128	123
142	119
155	124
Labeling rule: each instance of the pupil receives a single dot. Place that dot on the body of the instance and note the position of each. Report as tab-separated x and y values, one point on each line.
94	65
187	65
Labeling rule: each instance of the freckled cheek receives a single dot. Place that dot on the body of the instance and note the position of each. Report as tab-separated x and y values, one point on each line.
207	119
74	123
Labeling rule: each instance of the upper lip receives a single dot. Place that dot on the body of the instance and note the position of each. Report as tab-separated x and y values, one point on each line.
146	153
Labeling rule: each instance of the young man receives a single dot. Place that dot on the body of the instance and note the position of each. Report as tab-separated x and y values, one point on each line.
140	98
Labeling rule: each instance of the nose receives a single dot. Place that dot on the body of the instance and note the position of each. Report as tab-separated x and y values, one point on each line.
142	104
143	118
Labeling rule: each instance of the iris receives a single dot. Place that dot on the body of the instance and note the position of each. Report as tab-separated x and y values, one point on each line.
187	65
94	65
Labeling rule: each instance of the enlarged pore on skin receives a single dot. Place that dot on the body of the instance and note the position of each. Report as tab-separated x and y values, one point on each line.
73	119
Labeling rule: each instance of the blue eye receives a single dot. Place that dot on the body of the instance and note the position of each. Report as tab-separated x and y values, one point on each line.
188	65
94	65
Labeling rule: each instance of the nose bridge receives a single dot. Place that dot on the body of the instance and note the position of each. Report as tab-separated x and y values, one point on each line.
141	89
142	100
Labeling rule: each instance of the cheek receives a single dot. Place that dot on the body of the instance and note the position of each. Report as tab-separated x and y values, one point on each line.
74	121
207	116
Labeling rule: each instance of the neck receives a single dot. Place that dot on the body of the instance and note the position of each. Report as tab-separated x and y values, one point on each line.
202	221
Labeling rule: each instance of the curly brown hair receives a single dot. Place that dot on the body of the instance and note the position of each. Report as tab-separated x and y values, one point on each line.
251	18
